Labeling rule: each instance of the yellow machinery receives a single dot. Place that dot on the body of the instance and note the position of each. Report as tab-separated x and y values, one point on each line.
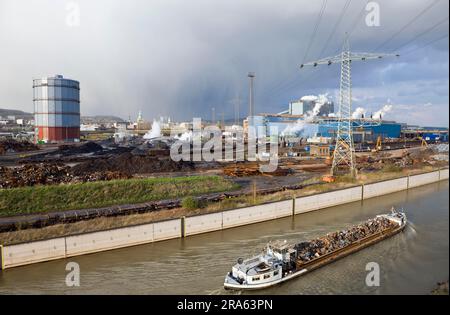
378	146
424	143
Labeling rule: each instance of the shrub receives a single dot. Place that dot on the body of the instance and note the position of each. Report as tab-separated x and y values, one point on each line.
190	203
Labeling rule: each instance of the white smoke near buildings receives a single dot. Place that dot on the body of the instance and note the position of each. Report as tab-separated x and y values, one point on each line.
155	132
309	98
382	112
301	124
359	113
320	101
294	129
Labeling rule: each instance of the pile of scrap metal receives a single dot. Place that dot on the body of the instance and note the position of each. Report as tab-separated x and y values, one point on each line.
252	169
129	163
30	175
408	158
307	251
86	147
49	174
152	148
10	145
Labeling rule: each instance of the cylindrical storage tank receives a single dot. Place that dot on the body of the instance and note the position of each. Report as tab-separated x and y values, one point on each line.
56	109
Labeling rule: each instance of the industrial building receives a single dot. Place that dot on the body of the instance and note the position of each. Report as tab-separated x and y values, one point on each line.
313	116
306	104
363	129
56	109
296	126
430	134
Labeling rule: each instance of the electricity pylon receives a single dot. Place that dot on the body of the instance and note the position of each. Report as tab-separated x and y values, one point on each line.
344	152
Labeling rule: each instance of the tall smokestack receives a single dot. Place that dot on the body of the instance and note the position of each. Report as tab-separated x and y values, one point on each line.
251	76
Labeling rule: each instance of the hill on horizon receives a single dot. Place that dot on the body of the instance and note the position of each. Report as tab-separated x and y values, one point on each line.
4	112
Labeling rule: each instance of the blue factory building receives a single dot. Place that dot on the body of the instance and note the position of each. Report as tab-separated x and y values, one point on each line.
362	130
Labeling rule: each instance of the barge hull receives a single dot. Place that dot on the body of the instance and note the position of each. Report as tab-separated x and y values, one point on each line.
320	261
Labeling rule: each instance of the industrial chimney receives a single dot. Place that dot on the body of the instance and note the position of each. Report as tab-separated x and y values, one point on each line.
251	113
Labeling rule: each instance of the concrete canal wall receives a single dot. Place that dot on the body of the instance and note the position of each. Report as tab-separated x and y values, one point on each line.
443	174
63	247
423	179
203	223
384	187
259	213
110	239
328	199
33	252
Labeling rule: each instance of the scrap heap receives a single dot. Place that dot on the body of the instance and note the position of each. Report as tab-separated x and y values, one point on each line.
307	251
87	147
10	145
133	163
48	174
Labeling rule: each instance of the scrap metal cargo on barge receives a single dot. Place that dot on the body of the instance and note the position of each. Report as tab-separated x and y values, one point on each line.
281	261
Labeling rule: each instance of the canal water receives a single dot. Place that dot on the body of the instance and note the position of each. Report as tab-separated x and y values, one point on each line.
411	262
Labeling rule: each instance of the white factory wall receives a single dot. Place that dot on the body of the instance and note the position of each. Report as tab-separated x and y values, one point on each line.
33	252
329	199
107	240
385	187
423	179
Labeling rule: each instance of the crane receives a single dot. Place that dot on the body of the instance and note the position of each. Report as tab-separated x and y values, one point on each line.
344	153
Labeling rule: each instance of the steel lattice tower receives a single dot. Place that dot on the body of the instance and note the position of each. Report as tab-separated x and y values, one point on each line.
344	153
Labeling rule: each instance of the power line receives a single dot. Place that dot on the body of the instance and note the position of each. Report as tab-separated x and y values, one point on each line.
316	27
280	84
318	71
426	45
311	40
426	9
291	82
358	18
423	33
294	80
327	42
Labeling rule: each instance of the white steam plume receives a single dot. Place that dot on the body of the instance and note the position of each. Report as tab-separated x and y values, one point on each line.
358	113
155	132
382	112
299	126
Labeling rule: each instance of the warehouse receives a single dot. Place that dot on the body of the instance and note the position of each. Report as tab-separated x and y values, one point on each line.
363	130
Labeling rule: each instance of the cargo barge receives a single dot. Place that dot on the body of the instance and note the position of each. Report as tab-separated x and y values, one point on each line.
281	261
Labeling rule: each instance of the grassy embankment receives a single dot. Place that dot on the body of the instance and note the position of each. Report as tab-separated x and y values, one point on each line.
116	222
27	200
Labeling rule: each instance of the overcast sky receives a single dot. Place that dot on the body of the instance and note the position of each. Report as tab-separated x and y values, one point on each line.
181	58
